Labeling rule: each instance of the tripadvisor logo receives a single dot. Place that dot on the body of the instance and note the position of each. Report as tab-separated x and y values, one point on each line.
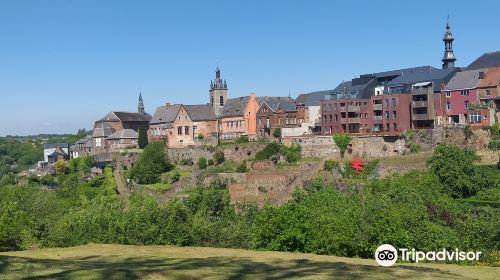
387	255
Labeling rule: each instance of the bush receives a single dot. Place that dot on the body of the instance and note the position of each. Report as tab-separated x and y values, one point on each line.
219	157
270	150
242	139
415	148
202	163
277	132
291	154
200	136
242	167
330	164
187	161
494	145
210	162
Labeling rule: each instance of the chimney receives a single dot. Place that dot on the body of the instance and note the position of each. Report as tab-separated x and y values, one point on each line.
481	75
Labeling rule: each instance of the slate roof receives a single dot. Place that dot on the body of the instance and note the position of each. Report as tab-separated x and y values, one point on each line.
312	98
165	114
278	102
84	140
102	129
464	80
124	134
55	145
401	71
364	91
486	60
200	112
492	77
235	106
431	74
59	151
125	117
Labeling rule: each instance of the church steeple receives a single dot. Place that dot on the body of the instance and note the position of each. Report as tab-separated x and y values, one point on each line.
218	93
448	57
140	107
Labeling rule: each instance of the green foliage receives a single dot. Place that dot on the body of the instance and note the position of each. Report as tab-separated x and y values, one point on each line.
151	164
415	148
330	164
408	134
291	154
494	145
143	137
273	150
200	136
457	172
202	163
16	155
277	132
219	157
268	151
242	139
242	167
342	141
186	161
8	179
467	131
61	167
210	162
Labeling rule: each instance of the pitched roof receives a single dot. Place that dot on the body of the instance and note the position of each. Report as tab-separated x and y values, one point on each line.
278	102
235	106
125	117
59	151
464	80
102	129
492	77
400	72
348	90
431	74
312	98
124	134
165	114
84	140
202	112
486	60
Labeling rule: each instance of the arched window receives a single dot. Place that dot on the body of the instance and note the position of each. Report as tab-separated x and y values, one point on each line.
221	100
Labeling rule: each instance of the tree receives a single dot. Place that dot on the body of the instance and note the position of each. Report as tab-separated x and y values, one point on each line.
143	137
342	141
242	167
277	132
457	171
219	157
202	163
153	162
61	167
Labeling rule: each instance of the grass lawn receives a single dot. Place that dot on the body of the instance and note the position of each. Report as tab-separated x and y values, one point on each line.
169	262
159	186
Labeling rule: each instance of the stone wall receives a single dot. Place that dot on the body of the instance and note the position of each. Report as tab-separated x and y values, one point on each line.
233	152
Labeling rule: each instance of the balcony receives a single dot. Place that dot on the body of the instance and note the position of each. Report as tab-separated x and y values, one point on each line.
377	118
353	109
419	117
377	107
420	91
418	104
349	120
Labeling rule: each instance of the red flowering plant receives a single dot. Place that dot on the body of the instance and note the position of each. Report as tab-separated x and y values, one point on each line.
357	166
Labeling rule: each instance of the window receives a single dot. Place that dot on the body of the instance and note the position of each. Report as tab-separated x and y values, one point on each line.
475	117
448	106
393	101
485	117
394	126
448	94
466	104
336	118
366	115
98	142
221	100
387	126
179	130
487	92
465	92
267	121
260	122
386	102
186	130
329	107
386	115
365	103
194	130
394	114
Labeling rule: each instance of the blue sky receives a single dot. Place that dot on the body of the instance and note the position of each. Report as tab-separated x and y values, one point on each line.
64	64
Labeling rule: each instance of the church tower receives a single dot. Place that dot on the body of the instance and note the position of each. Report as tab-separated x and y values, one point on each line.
140	107
448	57
218	93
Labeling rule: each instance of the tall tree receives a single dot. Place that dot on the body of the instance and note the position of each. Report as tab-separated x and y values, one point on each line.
143	137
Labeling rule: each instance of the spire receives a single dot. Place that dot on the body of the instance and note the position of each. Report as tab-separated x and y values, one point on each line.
218	82
140	107
217	73
448	57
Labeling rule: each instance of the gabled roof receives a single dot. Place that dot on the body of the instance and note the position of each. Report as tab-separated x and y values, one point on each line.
464	80
58	151
312	98
125	117
278	102
363	91
492	77
102	129
235	106
84	140
202	112
434	75
124	134
486	60
165	114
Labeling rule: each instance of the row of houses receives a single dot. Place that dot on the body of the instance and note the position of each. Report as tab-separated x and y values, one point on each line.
381	103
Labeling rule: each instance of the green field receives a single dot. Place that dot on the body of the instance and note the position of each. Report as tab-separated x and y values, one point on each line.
169	262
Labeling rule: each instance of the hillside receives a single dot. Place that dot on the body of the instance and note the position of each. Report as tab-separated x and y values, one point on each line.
169	262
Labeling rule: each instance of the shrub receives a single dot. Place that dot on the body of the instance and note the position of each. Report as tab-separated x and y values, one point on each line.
200	136
242	167
187	161
277	132
219	157
342	141
210	162
494	145
467	131
242	139
415	148
330	164
202	163
270	150
152	162
61	167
